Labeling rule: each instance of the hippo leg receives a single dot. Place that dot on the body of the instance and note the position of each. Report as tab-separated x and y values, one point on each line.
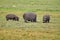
48	21
34	20
15	18
31	20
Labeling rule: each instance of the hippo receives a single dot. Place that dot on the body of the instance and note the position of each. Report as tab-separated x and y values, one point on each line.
29	16
12	17
46	18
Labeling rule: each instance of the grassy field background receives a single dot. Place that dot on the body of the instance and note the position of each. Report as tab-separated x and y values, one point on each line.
30	5
19	30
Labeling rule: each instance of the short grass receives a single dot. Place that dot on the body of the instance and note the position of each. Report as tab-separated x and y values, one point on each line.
30	5
19	30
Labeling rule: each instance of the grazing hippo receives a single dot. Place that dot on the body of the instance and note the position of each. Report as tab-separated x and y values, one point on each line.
12	17
29	16
46	18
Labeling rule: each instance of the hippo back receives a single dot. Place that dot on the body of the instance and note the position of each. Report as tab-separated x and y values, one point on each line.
29	15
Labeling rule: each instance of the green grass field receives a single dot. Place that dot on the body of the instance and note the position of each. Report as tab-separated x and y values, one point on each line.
19	30
30	5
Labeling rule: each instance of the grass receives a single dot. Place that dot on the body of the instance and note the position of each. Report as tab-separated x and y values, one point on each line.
29	34
19	30
30	5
